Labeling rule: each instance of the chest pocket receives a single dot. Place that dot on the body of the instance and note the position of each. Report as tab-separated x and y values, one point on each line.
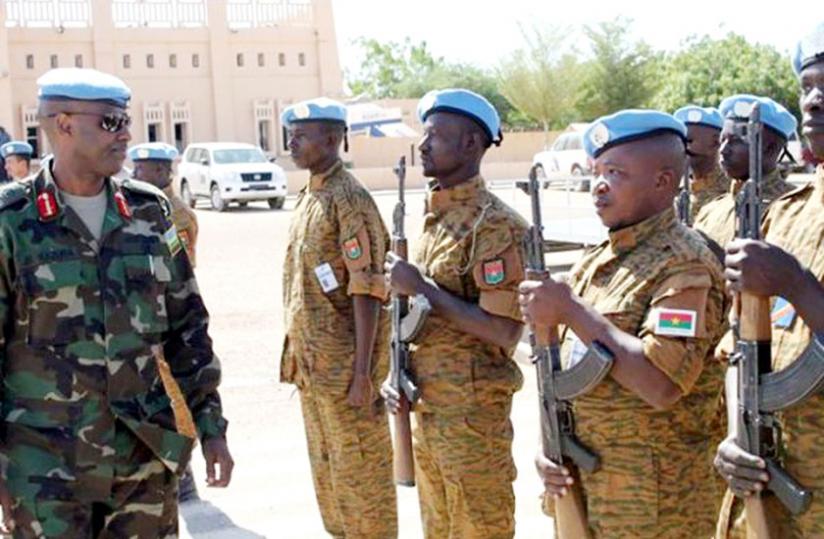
56	307
147	279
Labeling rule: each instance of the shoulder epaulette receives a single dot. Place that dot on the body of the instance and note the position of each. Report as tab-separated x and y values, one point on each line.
796	191
145	188
11	193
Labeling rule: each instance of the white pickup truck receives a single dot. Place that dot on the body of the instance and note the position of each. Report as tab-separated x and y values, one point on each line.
225	172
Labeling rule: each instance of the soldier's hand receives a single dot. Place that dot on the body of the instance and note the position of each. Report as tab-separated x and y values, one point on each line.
360	391
391	398
759	268
544	303
401	276
745	473
216	453
556	478
7	527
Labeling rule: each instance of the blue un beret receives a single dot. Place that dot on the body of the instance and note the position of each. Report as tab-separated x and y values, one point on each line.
809	50
16	147
774	115
83	85
321	109
628	126
153	150
693	114
465	103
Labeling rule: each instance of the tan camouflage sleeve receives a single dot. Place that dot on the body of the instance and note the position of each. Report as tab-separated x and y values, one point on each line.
675	332
188	349
363	242
497	277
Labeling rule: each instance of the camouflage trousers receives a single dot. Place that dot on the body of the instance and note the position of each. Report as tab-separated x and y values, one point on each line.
639	493
809	525
464	470
141	500
350	451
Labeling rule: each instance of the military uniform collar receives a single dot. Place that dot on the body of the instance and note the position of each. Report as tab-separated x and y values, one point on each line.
316	181
625	239
459	195
818	182
768	182
703	183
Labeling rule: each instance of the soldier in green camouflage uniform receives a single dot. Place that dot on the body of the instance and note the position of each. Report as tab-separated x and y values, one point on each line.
788	266
90	302
653	295
717	218
469	261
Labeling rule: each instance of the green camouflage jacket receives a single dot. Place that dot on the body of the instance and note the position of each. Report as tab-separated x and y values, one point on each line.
80	318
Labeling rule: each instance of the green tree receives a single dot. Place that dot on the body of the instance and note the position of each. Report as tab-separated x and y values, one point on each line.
621	74
707	70
541	79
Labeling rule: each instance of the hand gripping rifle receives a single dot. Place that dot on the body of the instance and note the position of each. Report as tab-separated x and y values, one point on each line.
556	388
407	320
761	392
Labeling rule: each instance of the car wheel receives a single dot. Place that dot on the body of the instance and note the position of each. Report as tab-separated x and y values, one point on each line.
218	204
541	174
186	194
242	204
577	171
276	203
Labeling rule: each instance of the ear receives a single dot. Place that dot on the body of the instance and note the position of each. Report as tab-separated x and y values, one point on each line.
63	124
667	179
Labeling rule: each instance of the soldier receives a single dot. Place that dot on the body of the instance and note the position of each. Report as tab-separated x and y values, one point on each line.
337	335
469	261
153	164
707	180
93	295
17	157
653	295
717	218
788	265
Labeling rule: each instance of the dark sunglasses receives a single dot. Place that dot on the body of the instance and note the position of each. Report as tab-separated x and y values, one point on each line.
111	122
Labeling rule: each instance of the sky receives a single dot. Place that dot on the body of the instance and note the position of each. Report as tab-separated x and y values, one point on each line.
482	32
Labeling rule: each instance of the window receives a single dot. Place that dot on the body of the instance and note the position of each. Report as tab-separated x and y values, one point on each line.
281	59
127	61
78	60
181	138
153	131
33	138
261	59
264	127
173	60
301	59
150	62
29	61
53	61
239	59
195	60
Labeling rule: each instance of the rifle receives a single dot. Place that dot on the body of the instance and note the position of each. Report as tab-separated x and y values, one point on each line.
760	392
557	387
407	321
683	205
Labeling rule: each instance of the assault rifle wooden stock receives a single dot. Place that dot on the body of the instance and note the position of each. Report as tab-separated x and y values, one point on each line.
407	322
759	391
556	387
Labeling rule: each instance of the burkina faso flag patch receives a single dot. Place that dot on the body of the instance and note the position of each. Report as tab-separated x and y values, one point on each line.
676	322
494	272
352	248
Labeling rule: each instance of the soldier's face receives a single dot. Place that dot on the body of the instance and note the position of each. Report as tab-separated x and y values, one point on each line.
703	145
440	146
94	148
309	144
154	171
734	151
626	186
812	107
17	167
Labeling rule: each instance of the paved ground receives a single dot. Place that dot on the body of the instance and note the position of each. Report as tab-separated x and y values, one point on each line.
240	256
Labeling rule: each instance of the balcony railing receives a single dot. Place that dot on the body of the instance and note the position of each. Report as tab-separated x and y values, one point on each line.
159	13
267	13
48	13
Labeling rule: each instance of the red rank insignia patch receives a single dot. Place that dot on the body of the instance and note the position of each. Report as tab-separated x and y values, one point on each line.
494	271
46	206
122	205
352	249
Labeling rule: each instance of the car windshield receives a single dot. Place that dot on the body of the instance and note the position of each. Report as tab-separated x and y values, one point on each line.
239	155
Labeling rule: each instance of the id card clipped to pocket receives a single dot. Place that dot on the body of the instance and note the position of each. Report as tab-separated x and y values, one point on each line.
326	277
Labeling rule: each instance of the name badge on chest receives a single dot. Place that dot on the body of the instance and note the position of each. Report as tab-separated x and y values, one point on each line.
326	277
